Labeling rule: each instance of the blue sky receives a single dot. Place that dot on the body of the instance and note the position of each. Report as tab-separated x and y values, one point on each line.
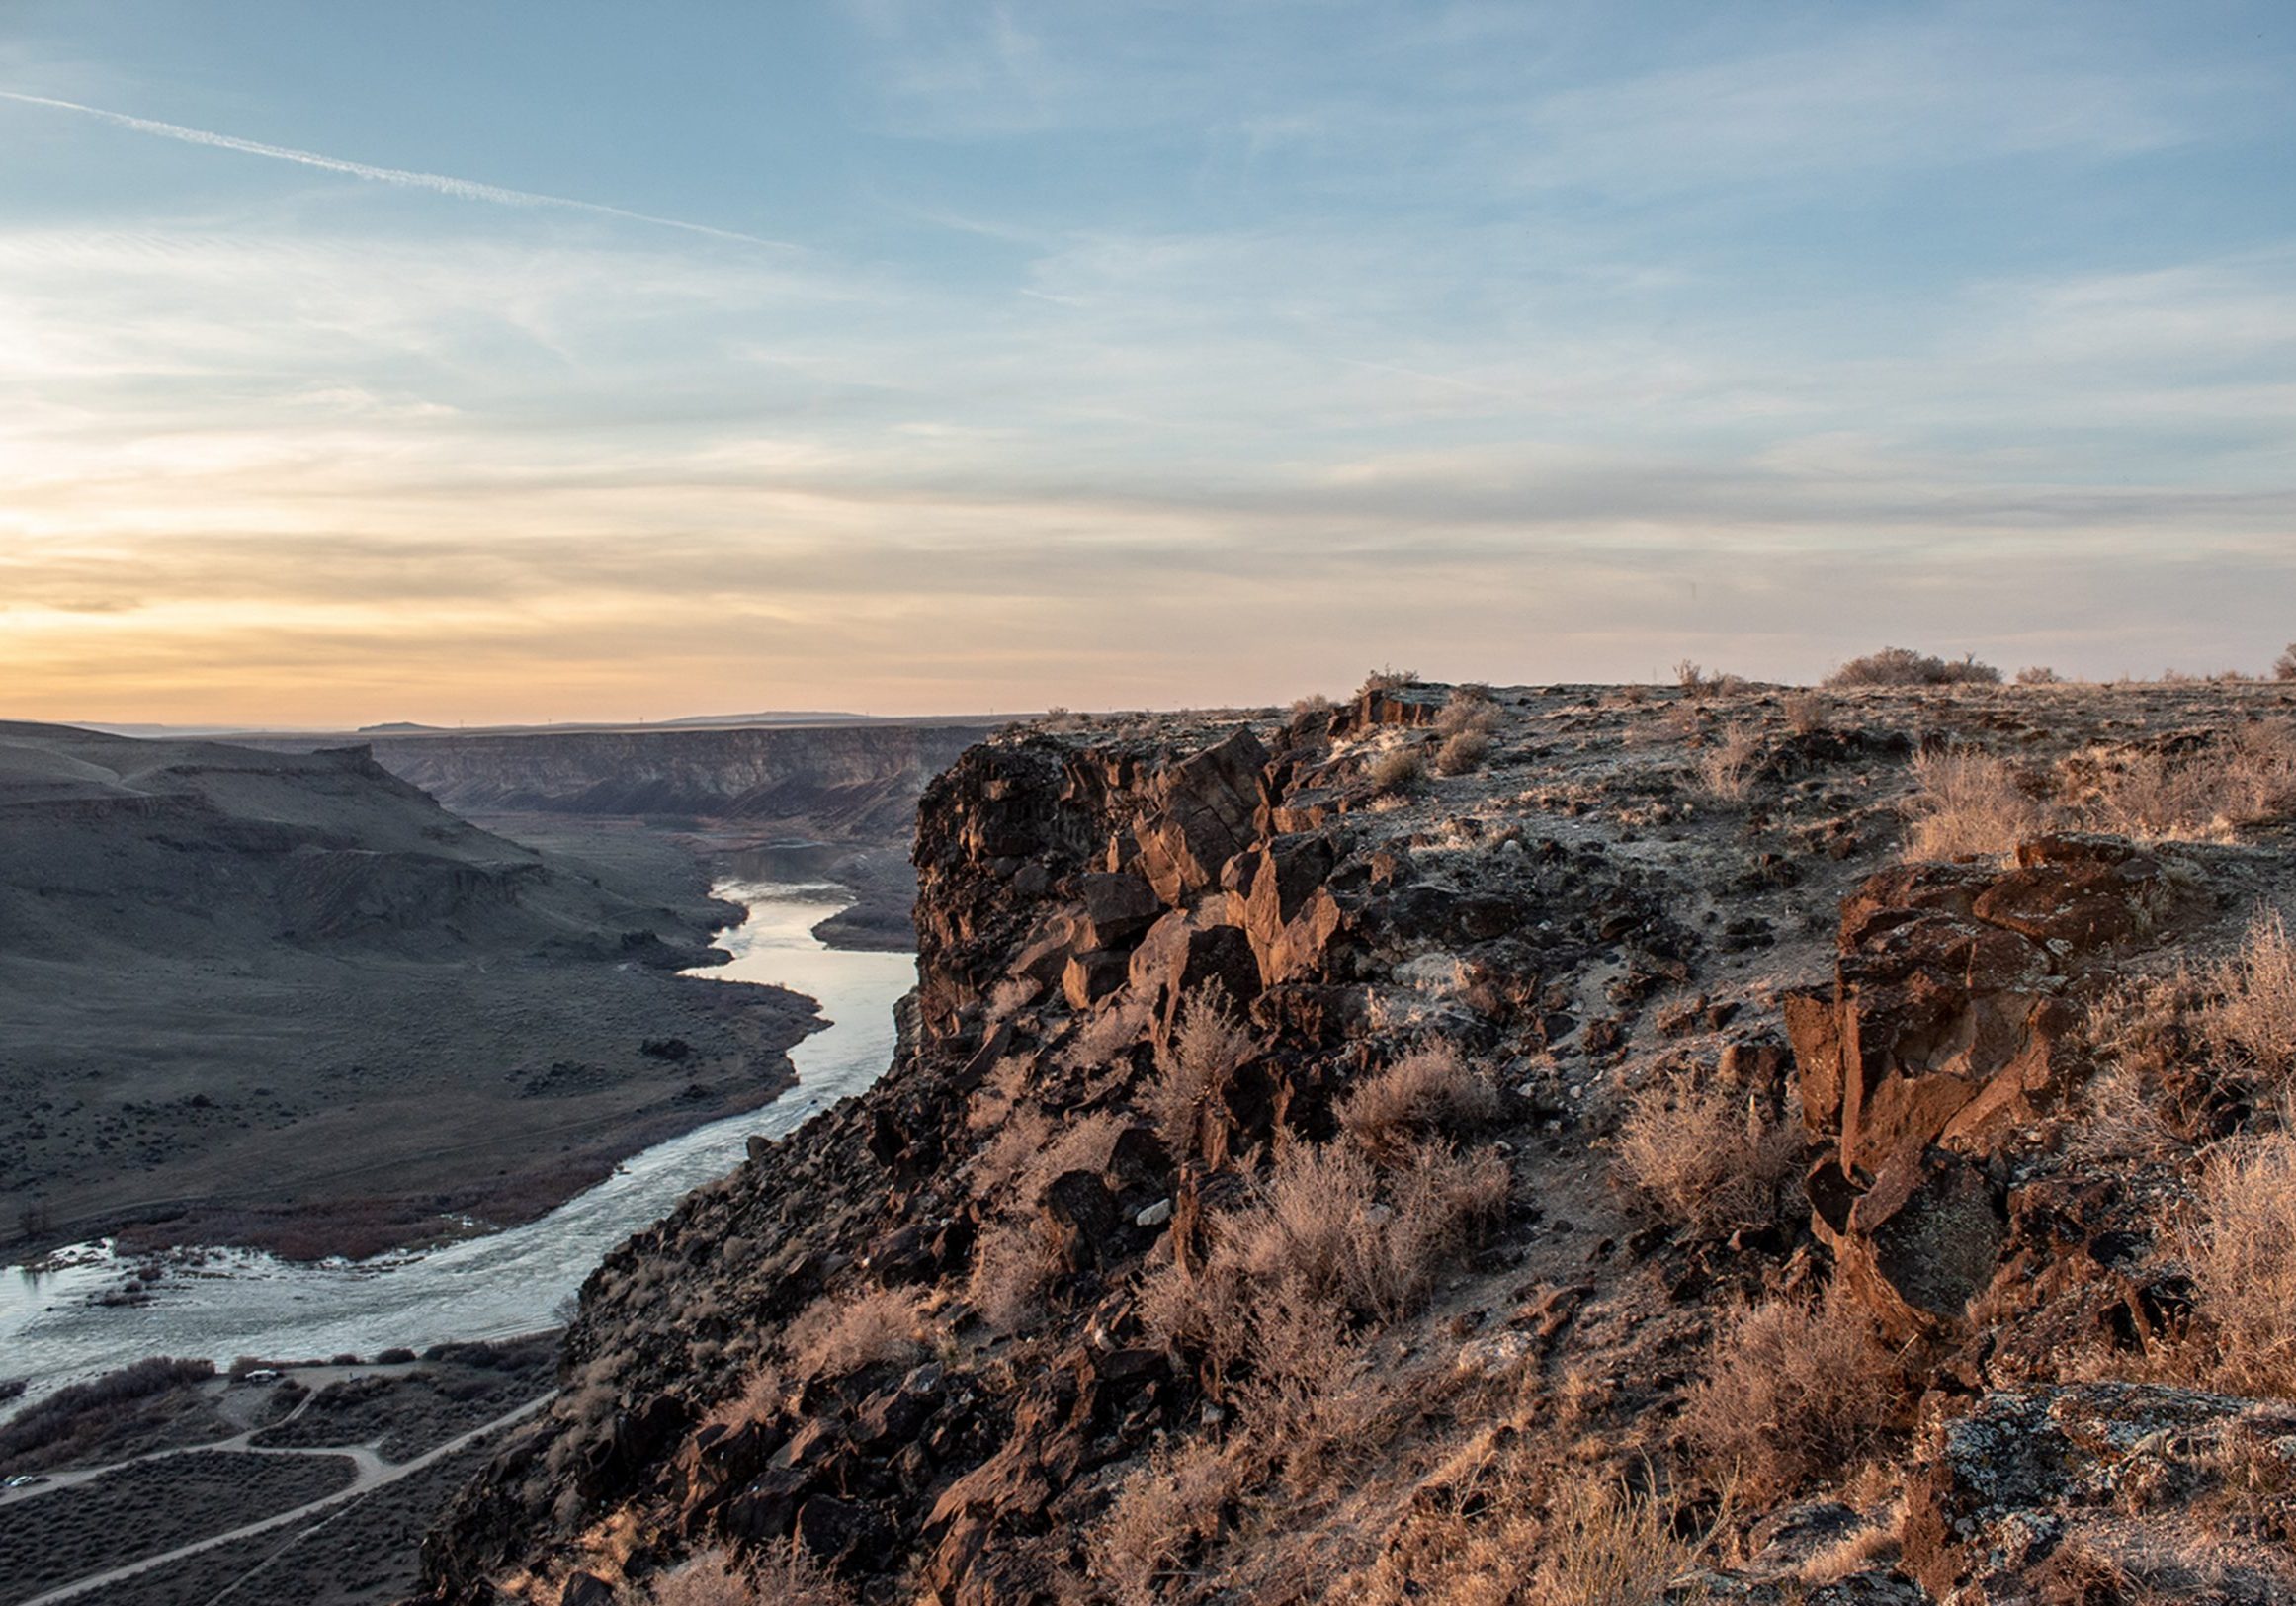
610	361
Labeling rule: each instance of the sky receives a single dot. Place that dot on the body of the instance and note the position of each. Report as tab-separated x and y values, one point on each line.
501	362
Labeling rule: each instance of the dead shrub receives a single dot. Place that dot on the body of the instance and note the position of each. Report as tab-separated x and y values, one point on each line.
1321	1232
1792	1390
1468	710
1109	1031
1696	682
2285	666
1807	712
2243	1259
1011	1266
999	1163
1386	679
2255	1013
1903	666
1462	753
1726	768
1430	1090
2038	675
1208	1046
1706	1159
2245	778
1162	1514
1968	805
1397	772
1319	1219
837	1335
1602	1544
758	1399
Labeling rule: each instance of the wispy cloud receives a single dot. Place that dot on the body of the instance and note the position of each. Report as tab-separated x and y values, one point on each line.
437	183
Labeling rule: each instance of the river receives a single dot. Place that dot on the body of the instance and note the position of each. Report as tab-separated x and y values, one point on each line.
505	1283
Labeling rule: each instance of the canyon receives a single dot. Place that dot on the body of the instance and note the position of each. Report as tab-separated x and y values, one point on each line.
1336	1160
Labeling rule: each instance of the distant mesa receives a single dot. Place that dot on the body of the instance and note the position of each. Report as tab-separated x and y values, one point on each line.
396	727
780	716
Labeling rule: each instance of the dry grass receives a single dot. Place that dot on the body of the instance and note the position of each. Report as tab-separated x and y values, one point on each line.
1325	1228
1462	753
2243	1259
1792	1390
1208	1046
779	1576
1807	712
1163	1515
1012	1265
1968	805
782	1575
1902	666
1430	1090
1704	1158
1008	999
2246	778
760	1397
2256	1014
1726	768
834	1336
1397	771
1111	1031
1491	1529
1605	1546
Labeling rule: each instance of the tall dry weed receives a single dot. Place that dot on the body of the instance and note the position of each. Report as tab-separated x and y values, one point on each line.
2243	1259
1430	1090
2254	1016
1792	1390
1706	1159
1968	805
1208	1046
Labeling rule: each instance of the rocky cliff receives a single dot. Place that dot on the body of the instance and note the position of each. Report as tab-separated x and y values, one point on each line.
1534	1145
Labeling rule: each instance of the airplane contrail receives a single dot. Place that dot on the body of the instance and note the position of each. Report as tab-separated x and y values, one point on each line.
439	182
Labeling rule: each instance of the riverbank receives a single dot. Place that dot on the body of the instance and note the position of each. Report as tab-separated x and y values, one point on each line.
288	1002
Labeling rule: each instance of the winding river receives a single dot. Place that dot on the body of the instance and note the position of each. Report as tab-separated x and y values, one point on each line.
511	1282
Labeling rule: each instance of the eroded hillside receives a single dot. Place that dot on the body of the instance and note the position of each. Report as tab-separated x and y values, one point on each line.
287	999
1553	1146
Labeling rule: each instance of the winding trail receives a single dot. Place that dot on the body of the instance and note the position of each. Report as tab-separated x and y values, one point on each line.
373	1473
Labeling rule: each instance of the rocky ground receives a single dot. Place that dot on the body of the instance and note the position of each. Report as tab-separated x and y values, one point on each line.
287	1000
1564	1144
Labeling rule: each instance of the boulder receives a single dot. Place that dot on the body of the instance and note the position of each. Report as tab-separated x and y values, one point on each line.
1117	907
1092	975
1918	1245
1288	912
1181	956
2101	1491
1942	1035
1202	813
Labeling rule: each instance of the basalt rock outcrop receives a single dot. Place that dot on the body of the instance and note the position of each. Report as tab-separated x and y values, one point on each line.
1944	1034
932	1340
1076	899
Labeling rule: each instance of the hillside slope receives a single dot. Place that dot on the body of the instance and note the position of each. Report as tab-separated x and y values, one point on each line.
251	994
1540	1145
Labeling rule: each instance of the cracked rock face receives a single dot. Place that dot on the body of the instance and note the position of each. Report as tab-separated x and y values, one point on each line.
1945	1033
2096	1491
